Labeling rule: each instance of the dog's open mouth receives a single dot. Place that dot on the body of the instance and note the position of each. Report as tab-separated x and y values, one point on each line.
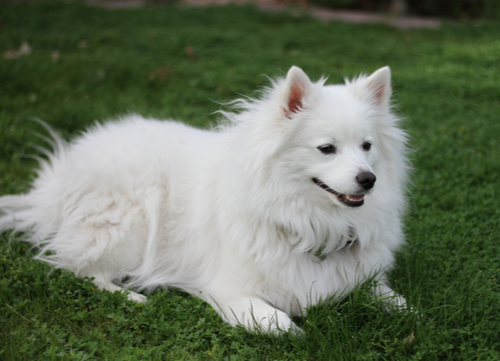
348	200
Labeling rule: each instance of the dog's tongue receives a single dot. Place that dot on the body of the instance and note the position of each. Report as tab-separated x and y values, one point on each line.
355	198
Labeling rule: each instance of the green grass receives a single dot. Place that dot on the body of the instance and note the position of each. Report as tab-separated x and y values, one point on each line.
446	83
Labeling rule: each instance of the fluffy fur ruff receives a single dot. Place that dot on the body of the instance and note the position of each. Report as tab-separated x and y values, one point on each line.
294	198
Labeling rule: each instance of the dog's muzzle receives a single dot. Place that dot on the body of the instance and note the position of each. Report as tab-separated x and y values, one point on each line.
365	179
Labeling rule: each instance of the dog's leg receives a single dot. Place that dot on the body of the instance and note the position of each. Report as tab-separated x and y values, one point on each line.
384	292
257	315
103	280
395	302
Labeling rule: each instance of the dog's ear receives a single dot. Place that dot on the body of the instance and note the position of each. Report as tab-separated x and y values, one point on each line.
379	84
297	87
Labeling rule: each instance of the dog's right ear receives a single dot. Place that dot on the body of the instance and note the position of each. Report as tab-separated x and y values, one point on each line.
297	87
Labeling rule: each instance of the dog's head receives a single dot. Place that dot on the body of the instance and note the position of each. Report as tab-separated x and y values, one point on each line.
334	134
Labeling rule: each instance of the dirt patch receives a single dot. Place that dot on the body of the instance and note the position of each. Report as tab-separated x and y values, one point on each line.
300	7
117	4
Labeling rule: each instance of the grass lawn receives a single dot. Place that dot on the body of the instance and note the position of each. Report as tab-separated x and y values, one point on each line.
89	64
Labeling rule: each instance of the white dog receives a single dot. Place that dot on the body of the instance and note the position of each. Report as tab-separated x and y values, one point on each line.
295	198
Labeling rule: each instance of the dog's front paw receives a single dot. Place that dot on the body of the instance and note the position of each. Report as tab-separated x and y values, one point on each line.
277	324
258	316
136	297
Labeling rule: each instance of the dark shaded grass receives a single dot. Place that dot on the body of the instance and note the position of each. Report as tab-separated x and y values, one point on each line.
447	84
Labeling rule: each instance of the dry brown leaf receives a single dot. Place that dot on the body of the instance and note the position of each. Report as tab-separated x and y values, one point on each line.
55	55
11	54
160	74
190	52
24	49
410	340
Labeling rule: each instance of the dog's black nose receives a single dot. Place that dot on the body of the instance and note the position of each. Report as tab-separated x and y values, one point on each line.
366	180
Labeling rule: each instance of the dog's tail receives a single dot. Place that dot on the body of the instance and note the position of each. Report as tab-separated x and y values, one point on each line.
36	212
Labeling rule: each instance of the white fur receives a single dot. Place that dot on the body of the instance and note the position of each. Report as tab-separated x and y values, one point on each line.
229	215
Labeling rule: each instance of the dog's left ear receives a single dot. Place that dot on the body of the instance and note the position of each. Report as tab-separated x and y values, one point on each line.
379	84
297	87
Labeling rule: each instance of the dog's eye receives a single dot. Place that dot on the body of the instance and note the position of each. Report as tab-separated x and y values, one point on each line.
327	149
366	146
